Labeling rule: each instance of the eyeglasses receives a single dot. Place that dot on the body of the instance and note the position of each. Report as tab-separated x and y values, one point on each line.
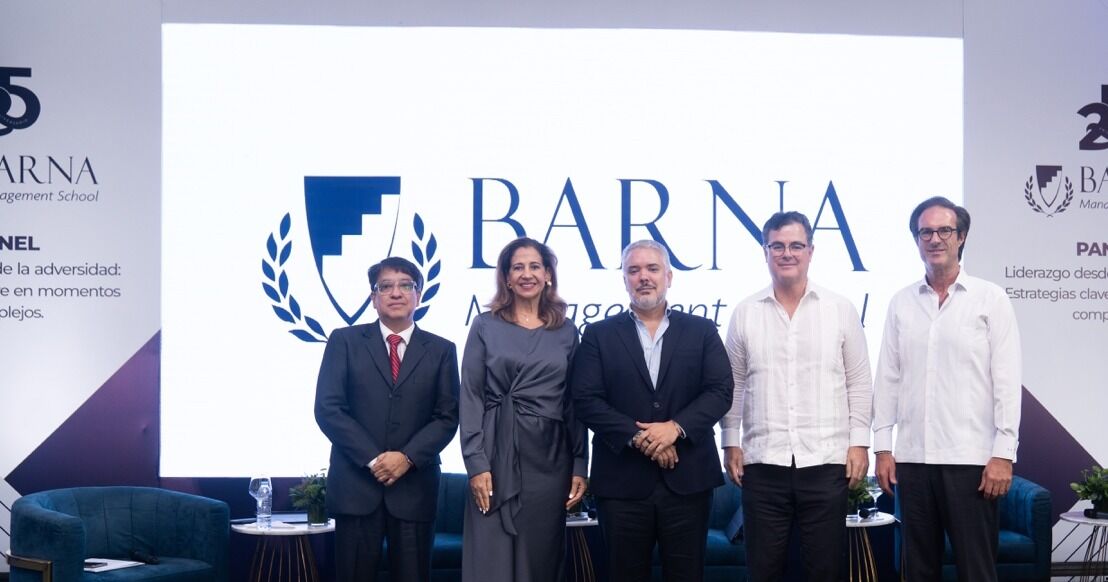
778	249
944	233
386	287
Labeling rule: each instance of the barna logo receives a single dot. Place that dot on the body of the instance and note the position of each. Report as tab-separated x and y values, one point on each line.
8	122
1044	199
351	225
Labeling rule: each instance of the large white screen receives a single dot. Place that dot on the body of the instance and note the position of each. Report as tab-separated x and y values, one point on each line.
760	120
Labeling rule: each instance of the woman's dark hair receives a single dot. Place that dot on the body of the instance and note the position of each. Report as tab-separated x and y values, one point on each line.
552	309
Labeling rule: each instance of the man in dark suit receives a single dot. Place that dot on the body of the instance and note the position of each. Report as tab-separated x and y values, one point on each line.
651	384
387	398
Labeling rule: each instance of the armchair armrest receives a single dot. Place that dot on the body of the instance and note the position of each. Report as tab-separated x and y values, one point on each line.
203	530
43	535
1026	509
44	567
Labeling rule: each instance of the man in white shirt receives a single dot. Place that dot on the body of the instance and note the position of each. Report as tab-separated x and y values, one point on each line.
949	379
802	400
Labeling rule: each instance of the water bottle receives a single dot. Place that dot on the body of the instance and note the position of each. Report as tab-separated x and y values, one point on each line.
262	489
265	507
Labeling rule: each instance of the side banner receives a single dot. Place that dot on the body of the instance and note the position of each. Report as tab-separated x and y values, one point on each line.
80	163
1037	185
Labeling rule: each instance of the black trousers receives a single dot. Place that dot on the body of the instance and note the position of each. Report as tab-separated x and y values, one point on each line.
944	498
813	498
677	523
358	547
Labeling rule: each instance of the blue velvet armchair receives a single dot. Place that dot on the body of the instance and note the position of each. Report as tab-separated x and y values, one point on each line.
724	560
1023	554
53	532
1025	535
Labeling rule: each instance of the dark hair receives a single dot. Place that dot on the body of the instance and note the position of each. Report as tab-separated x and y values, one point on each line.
961	215
781	219
396	264
552	310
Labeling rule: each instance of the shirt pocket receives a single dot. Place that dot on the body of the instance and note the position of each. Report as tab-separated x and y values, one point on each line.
973	337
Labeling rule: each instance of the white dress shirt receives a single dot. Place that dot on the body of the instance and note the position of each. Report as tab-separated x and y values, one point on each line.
803	388
949	376
405	337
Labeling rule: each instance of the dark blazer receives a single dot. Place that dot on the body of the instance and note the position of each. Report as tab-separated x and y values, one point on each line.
611	390
364	414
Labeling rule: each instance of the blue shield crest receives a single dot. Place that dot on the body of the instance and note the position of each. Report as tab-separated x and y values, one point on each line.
351	224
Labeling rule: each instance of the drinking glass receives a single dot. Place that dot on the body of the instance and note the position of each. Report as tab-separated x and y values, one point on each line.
261	489
873	487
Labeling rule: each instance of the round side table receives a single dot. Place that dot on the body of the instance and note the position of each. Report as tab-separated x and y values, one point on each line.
283	552
580	559
1095	563
860	562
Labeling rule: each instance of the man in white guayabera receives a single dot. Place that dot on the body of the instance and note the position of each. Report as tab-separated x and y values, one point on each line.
948	379
802	402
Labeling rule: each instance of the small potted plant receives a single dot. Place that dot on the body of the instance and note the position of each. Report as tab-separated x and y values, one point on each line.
1095	489
858	500
311	496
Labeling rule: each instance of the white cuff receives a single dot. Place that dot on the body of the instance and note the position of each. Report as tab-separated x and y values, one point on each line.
730	437
883	439
1005	446
859	437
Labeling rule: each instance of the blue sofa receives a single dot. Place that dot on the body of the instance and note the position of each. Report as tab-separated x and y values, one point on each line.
55	531
446	555
723	561
1025	535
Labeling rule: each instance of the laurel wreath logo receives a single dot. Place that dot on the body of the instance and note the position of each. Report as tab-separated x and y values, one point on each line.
423	250
1028	195
279	248
284	304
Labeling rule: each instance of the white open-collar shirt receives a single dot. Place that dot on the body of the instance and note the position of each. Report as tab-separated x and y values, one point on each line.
803	387
949	376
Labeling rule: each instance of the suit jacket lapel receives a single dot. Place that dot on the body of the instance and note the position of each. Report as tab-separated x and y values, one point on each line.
669	345
629	334
412	355
375	344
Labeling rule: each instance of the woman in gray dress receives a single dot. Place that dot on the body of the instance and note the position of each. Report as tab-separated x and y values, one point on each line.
524	453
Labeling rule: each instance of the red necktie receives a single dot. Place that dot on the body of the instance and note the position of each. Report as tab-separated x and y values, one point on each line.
394	355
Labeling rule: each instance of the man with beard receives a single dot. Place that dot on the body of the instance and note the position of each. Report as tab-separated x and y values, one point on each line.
651	383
